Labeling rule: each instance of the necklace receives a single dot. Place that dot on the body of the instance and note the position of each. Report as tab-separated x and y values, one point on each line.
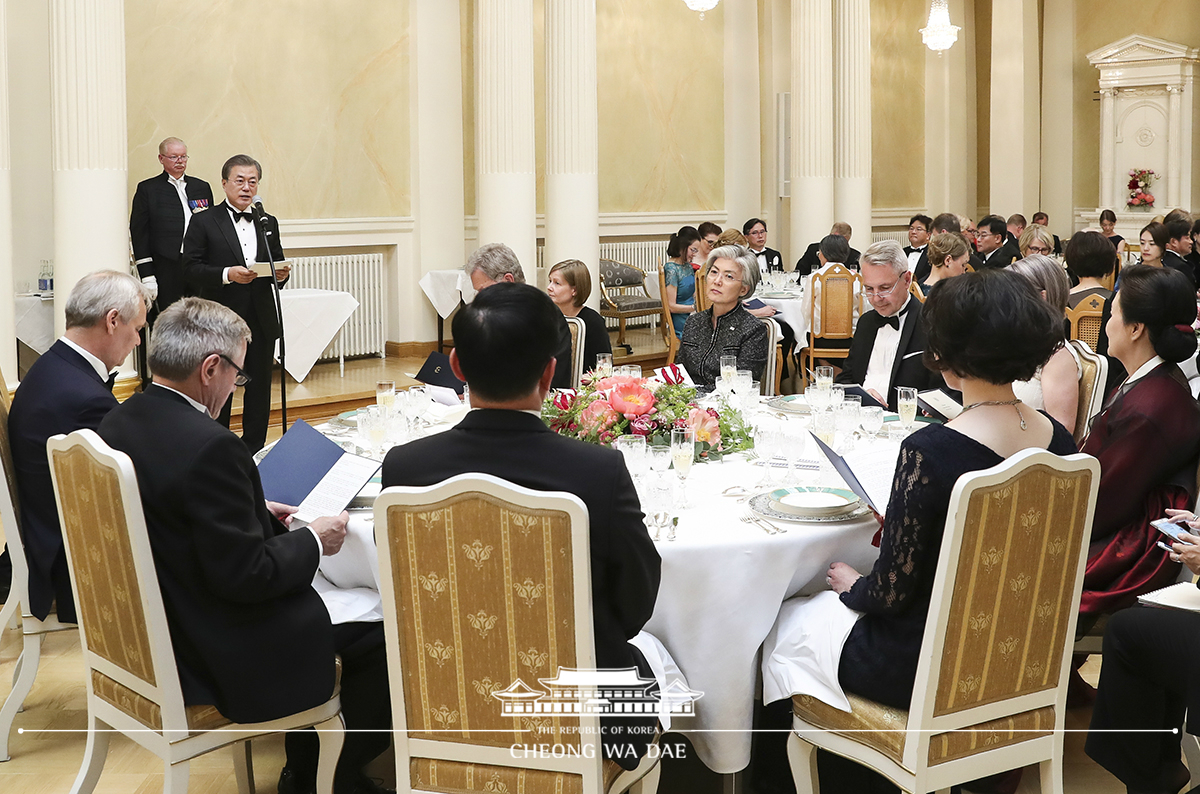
1014	403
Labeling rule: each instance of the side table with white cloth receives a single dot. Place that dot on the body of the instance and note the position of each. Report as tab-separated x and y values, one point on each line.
35	320
312	319
446	290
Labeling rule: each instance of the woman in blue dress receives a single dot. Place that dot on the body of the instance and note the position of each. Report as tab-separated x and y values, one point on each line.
680	277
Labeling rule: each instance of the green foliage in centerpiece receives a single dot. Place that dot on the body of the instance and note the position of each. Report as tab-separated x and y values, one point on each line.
607	408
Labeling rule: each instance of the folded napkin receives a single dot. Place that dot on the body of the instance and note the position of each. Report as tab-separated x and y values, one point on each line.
802	652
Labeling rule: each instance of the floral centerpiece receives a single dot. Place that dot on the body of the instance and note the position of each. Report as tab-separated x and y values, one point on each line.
1140	180
606	408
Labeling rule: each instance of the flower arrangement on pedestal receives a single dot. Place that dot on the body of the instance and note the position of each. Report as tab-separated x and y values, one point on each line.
1140	180
607	408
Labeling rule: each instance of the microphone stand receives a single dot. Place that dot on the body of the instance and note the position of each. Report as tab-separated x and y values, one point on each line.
266	232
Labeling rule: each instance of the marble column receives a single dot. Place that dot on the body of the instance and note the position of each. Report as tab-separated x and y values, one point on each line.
812	182
436	141
506	180
572	147
852	115
1108	194
8	323
1015	163
1175	162
1058	108
743	142
89	155
951	150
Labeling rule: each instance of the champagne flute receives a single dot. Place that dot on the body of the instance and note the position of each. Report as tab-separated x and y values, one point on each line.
385	395
728	368
683	453
906	403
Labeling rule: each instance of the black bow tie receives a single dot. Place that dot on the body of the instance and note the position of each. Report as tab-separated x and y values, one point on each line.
240	216
112	378
894	320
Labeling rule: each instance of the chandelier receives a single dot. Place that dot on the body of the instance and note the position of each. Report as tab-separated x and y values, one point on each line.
701	5
938	34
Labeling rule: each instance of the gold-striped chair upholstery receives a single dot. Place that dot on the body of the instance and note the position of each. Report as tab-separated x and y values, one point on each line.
485	591
1085	320
993	665
831	312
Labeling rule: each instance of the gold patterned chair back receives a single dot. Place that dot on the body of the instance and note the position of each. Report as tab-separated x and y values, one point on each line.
578	333
832	303
1093	375
122	622
1085	320
667	324
1006	597
487	610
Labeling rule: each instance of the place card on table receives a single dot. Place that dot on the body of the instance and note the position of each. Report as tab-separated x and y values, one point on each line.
310	471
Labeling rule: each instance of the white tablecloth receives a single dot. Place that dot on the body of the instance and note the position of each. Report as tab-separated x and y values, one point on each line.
35	321
311	320
793	311
445	288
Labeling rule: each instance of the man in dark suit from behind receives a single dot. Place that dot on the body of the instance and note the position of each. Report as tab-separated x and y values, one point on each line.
251	636
992	242
219	251
888	342
809	263
504	350
67	389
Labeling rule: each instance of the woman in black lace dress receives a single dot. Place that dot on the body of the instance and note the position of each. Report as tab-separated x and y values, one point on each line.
985	330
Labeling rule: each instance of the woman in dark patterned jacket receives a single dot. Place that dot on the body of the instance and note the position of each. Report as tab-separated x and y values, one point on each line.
725	328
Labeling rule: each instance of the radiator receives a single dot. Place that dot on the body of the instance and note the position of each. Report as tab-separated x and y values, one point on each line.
365	333
649	256
900	237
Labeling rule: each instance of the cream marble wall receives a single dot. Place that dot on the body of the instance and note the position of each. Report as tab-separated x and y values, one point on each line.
897	103
983	95
1104	22
317	92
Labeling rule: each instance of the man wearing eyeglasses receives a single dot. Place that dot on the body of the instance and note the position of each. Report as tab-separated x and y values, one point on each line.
992	242
889	341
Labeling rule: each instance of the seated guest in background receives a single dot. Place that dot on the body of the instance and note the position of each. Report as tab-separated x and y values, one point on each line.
1177	214
680	277
946	222
948	254
833	250
992	241
1153	244
1015	226
1147	439
1143	693
501	351
731	237
918	238
569	285
1179	247
709	234
725	328
251	636
1108	222
1054	388
1042	219
985	330
888	343
1194	256
769	260
1091	258
68	388
1036	240
809	262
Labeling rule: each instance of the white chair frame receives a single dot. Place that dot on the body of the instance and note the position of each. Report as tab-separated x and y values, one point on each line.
1096	403
577	340
643	780
915	774
176	744
774	334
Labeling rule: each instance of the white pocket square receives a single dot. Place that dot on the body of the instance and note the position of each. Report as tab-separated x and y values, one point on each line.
914	353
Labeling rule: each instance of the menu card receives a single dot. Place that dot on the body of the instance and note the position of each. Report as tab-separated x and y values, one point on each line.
308	470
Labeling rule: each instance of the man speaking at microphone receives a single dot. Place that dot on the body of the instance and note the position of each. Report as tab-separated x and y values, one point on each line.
219	252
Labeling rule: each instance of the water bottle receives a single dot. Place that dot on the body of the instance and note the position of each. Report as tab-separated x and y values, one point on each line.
44	277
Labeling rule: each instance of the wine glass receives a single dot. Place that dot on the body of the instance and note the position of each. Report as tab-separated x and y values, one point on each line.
846	413
660	459
817	396
372	425
766	447
604	365
906	404
728	368
683	453
633	448
870	418
749	398
724	386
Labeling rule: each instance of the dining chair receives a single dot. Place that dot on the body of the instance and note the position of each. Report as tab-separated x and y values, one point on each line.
17	605
832	296
991	684
666	324
1093	376
486	593
1085	320
623	295
915	290
578	333
702	301
771	374
130	673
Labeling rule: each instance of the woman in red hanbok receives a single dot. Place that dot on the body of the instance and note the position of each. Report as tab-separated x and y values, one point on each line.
1147	440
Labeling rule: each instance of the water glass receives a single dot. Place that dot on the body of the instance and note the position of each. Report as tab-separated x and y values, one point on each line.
372	427
660	458
817	396
906	405
837	394
824	376
728	367
604	365
634	450
766	447
748	398
870	418
724	386
795	441
742	381
846	417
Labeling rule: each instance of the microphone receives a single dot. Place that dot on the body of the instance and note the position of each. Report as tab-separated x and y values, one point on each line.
256	209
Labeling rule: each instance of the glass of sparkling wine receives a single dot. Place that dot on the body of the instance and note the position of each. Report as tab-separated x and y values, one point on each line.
824	376
683	452
825	426
385	395
906	403
728	368
604	365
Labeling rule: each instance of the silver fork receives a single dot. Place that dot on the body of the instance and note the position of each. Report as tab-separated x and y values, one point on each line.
749	519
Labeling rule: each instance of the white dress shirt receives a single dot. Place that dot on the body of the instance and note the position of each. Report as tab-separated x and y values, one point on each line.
246	236
883	355
180	186
914	257
96	363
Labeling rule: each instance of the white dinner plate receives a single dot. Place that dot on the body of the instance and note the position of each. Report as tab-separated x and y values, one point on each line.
761	504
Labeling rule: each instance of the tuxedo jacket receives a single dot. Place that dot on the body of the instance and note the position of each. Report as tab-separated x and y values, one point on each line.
1176	262
211	245
907	369
774	259
518	447
810	264
250	634
156	231
61	393
1003	256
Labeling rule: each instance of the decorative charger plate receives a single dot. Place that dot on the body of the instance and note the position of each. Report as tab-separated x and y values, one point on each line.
779	295
347	419
928	420
761	504
789	403
810	501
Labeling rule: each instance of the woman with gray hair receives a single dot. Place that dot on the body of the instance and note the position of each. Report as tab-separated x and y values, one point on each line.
725	328
1054	388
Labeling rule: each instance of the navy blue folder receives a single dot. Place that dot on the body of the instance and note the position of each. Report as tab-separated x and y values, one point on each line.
297	463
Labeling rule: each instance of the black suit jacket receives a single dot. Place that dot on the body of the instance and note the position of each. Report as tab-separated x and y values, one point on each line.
774	259
250	634
1176	262
520	448
61	393
907	369
211	245
924	268
809	262
156	231
1003	256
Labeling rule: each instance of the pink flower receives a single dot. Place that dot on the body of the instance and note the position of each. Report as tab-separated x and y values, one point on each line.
631	399
706	426
642	425
604	384
597	417
713	413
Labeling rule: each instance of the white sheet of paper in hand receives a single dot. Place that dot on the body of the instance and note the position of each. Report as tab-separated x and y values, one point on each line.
335	490
443	395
